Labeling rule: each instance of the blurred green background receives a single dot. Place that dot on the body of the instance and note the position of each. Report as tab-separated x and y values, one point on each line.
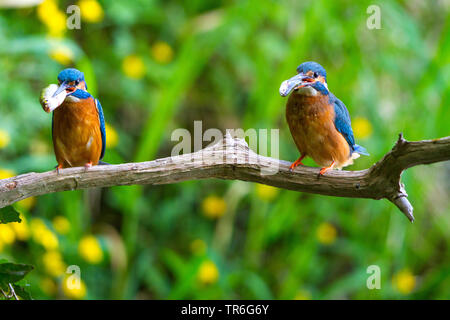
159	65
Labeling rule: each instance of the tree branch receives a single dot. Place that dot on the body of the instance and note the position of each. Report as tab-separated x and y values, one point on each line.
231	159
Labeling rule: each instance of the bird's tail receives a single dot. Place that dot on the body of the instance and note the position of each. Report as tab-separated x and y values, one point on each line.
360	150
102	163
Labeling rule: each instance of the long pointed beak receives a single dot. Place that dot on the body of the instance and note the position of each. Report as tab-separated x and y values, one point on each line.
296	81
61	88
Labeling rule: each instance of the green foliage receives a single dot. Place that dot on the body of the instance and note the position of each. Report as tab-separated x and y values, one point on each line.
10	276
222	62
22	292
13	272
9	214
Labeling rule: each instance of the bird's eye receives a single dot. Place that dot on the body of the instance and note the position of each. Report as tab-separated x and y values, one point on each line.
77	82
315	74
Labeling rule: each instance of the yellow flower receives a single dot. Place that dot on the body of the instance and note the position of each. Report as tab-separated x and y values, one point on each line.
53	18
162	52
265	192
37	224
7	235
198	246
208	273
48	286
91	11
326	233
62	55
404	281
61	224
74	292
5	173
90	250
46	9
112	138
4	138
42	235
49	240
133	67
53	263
362	128
57	25
303	295
214	207
27	203
21	229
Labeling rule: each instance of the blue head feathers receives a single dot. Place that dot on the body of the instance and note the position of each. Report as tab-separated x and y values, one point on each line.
312	66
71	74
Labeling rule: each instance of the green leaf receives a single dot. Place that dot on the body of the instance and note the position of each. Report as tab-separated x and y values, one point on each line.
22	292
13	272
9	214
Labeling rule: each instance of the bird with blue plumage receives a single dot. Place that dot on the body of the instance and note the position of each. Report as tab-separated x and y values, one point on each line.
78	123
318	121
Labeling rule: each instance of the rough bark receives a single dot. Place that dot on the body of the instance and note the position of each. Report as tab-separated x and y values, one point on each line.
231	159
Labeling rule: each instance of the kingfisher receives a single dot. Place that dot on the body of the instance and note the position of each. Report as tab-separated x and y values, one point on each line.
318	121
78	123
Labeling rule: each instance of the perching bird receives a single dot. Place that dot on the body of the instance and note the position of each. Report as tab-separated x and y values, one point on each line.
319	122
78	124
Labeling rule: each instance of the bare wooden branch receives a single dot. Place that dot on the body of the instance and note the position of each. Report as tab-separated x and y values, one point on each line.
231	159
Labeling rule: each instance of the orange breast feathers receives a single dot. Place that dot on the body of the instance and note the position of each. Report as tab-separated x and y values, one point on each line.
311	122
76	133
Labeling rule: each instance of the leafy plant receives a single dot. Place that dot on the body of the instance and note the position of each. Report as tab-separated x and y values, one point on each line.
9	214
11	274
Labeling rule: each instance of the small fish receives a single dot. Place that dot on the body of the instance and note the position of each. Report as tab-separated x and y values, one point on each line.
49	101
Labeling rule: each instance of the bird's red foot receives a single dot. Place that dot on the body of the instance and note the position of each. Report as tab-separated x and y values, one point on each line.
88	165
296	163
59	168
325	169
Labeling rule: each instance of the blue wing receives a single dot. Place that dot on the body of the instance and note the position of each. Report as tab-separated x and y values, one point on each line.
101	119
343	124
342	121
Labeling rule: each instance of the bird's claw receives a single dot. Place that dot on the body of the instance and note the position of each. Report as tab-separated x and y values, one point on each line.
325	169
88	165
296	163
58	169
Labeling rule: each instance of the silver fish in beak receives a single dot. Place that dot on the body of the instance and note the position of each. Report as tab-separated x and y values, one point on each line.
50	99
298	81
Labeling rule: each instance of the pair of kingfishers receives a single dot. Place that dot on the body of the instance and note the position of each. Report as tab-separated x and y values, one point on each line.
319	122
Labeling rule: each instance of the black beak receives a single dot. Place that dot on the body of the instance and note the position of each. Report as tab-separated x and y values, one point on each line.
296	81
63	86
